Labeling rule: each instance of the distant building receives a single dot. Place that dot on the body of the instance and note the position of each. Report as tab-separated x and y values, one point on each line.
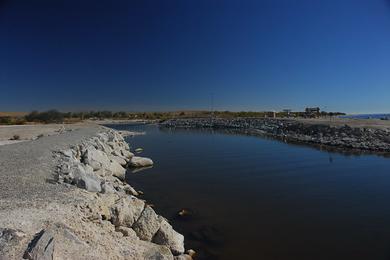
312	111
287	111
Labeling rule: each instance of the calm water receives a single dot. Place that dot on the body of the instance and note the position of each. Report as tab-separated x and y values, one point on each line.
368	116
257	198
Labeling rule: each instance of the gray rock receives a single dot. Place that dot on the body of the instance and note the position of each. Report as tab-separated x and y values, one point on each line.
156	252
103	147
137	161
183	257
67	153
84	180
41	247
127	154
127	189
127	232
147	225
126	211
130	190
116	170
108	188
95	158
10	240
119	160
167	236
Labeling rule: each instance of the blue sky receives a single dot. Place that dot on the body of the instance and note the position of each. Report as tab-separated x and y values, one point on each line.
174	54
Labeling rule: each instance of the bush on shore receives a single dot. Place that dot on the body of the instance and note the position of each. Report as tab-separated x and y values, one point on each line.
51	116
7	120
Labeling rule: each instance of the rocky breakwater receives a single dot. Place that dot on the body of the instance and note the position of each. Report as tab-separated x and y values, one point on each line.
104	220
356	138
99	165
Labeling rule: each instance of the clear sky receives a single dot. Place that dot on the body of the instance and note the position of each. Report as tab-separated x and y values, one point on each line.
174	54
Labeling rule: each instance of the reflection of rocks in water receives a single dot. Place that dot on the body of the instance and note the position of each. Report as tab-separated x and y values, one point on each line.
208	235
137	170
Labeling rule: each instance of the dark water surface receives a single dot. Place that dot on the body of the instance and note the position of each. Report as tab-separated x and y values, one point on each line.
257	198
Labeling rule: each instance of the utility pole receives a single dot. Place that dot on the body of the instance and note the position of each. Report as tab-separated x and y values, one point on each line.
212	108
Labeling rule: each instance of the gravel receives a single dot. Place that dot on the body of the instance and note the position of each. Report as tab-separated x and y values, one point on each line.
27	169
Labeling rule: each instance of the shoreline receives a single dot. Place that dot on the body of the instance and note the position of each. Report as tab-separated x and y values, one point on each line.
348	135
75	203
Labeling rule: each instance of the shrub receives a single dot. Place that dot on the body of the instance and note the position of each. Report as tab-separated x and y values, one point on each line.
6	120
51	116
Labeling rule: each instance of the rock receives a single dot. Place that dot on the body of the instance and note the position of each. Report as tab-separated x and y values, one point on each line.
127	232
114	146
130	190
167	236
95	158
103	147
102	205
118	159
191	252
10	241
108	188
155	252
102	173
185	213
127	154
64	168
116	170
183	257
41	247
84	180
140	161
147	225
67	153
126	211
138	150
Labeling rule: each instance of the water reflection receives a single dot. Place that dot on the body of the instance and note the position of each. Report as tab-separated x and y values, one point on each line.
140	169
238	132
257	198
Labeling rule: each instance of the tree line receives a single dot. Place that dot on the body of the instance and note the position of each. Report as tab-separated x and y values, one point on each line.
55	116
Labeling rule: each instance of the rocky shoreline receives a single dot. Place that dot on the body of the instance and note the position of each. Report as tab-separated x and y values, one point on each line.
344	137
106	219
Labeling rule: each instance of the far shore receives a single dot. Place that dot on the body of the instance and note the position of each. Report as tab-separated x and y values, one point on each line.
29	132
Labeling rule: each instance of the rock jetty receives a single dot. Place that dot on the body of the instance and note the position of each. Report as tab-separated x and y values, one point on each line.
357	138
103	219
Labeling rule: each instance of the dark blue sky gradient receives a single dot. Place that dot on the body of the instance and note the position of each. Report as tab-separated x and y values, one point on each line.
172	54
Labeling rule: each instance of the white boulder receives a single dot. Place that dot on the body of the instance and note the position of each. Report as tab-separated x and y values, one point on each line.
95	158
147	224
116	169
167	236
118	159
137	161
84	180
126	211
